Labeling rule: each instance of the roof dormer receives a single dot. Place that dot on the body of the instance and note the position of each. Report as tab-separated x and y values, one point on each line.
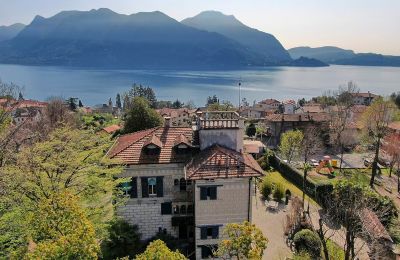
152	146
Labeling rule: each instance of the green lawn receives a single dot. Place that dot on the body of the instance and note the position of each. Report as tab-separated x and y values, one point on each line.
277	178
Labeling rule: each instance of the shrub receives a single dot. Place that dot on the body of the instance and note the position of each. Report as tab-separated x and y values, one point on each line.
308	241
123	240
266	188
264	162
279	192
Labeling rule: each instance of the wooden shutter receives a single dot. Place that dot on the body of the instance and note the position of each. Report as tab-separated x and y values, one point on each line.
213	193
215	232
133	192
145	188
166	208
160	186
203	233
203	193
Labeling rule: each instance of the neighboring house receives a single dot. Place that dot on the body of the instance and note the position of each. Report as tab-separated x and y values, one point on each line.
310	108
178	116
111	129
23	110
394	127
289	106
281	123
364	98
188	182
254	147
268	104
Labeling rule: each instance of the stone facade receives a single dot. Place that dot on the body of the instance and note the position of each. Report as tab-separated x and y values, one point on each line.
232	205
146	212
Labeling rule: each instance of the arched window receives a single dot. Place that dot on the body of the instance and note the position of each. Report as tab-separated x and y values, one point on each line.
183	209
176	209
183	184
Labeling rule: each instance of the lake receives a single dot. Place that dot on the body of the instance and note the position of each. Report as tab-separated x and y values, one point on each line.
94	86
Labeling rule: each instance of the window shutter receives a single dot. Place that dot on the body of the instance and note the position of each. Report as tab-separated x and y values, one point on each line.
215	232
145	188
133	191
166	208
203	233
213	193
160	186
203	193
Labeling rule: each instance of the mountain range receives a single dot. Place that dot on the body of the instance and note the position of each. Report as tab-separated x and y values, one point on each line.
335	55
153	40
103	38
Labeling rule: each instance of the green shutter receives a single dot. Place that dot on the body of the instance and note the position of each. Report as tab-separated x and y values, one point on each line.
133	190
160	186
203	193
145	188
213	193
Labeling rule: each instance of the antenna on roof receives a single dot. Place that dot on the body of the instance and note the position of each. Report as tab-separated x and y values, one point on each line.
240	84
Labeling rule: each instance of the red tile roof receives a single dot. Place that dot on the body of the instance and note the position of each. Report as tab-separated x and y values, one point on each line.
365	95
218	162
395	125
181	139
153	140
269	101
373	225
128	148
317	117
111	129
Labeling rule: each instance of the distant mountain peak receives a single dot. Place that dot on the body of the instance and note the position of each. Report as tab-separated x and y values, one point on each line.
215	17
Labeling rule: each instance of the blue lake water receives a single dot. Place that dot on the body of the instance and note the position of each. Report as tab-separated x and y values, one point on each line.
96	86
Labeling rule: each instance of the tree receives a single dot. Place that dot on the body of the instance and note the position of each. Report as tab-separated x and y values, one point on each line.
144	92
346	207
177	104
61	229
141	116
212	100
190	104
242	241
123	240
340	116
251	130
80	103
375	121
290	146
157	250
20	96
310	144
70	160
72	103
391	146
395	97
118	101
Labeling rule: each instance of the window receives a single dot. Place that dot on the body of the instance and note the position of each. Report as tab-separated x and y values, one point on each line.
183	209
207	251
152	149
208	193
176	182
182	184
151	182
176	209
166	208
152	186
130	187
209	232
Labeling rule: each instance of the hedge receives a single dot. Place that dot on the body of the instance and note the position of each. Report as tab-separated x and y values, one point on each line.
317	191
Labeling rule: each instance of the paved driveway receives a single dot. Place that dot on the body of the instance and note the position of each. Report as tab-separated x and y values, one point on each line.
271	224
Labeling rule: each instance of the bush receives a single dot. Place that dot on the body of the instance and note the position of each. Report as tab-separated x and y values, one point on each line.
309	242
266	188
279	192
264	162
123	240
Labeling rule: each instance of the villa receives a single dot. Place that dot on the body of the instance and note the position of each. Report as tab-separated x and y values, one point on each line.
189	182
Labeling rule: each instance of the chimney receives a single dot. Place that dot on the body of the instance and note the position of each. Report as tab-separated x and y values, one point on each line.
167	121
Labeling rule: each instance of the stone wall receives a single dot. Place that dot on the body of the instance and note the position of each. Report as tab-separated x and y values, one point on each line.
231	206
146	212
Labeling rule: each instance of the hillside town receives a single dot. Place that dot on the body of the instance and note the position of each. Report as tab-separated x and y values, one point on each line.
306	179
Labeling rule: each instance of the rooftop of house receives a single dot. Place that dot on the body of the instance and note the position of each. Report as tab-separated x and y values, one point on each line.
269	101
365	95
373	225
252	146
111	129
130	148
217	162
174	112
395	125
306	117
312	108
289	102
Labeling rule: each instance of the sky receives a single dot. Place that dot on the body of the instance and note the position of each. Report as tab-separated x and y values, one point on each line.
360	25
